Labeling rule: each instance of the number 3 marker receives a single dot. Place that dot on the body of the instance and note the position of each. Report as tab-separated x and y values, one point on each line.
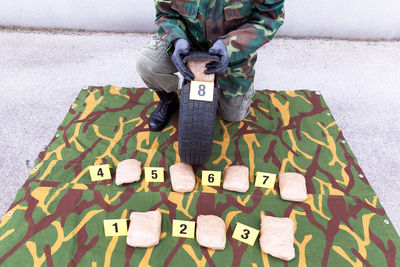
245	234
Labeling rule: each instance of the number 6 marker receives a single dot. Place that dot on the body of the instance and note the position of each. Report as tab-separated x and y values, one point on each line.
212	178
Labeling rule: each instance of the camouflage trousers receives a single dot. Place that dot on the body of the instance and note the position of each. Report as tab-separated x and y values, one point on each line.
158	73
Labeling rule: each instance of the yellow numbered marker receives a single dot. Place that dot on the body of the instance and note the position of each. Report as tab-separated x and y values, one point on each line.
203	91
266	180
245	234
211	178
115	227
100	172
154	174
183	228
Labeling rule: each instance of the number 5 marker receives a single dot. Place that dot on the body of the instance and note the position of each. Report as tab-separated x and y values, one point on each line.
154	174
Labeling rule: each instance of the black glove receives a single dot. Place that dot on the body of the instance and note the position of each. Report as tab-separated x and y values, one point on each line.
182	49
218	49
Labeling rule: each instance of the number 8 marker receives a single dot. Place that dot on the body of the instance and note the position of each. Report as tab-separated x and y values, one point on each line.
202	90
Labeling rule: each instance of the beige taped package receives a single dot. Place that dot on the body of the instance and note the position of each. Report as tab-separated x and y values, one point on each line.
210	232
236	178
197	67
182	177
277	235
144	229
292	186
128	171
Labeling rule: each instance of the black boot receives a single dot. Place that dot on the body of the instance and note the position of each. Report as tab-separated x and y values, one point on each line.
168	104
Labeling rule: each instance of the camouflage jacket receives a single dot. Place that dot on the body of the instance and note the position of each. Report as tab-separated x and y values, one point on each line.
243	25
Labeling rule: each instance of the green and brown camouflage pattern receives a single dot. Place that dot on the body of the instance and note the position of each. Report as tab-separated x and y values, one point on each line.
57	216
244	26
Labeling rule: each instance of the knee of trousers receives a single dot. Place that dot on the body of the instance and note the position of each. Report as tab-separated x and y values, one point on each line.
144	67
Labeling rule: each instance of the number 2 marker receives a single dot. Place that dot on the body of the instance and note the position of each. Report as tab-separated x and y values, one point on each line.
183	228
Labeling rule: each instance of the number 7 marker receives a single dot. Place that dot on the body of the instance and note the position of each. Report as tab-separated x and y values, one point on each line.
266	180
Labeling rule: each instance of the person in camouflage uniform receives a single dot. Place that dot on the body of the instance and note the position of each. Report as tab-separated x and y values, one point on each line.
231	29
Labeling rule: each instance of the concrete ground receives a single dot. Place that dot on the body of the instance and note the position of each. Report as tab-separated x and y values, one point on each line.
41	74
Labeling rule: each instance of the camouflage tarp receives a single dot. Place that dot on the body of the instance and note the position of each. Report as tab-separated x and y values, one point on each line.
57	217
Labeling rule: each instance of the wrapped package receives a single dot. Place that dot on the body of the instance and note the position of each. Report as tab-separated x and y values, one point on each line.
197	67
128	171
210	232
144	229
236	178
277	235
292	186
182	177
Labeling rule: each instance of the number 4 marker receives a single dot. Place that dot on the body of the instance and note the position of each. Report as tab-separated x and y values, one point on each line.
100	172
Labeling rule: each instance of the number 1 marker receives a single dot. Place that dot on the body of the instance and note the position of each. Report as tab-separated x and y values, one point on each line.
118	227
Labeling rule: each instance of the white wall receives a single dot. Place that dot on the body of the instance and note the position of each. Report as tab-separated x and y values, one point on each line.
354	19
